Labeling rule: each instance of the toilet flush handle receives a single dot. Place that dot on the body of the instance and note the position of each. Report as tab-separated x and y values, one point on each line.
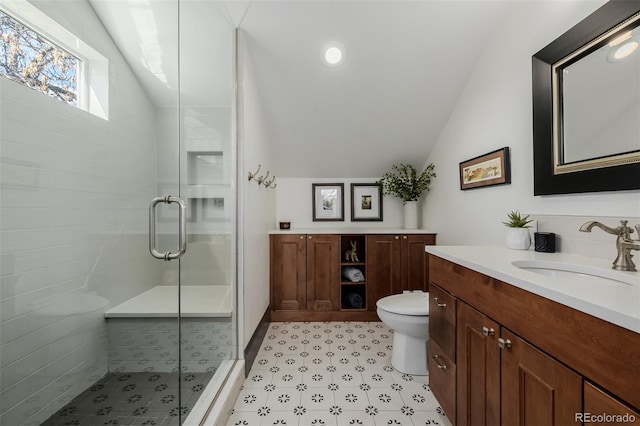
438	304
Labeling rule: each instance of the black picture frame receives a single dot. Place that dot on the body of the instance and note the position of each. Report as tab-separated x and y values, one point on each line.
328	202
492	168
366	202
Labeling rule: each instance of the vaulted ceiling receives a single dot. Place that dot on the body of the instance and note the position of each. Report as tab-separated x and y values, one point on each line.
405	65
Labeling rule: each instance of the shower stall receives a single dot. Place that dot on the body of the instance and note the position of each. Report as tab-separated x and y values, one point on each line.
118	299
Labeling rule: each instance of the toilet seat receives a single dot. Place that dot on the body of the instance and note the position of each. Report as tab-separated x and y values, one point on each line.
415	304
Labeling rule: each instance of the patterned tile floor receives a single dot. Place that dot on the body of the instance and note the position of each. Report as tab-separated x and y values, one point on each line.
133	399
332	373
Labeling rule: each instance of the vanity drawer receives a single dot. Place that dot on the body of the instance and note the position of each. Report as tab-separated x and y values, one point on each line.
442	320
442	379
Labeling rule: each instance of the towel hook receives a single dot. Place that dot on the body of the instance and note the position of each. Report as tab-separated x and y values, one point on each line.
271	183
253	175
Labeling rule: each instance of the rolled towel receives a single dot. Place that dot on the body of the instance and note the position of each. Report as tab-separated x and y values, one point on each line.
355	300
352	274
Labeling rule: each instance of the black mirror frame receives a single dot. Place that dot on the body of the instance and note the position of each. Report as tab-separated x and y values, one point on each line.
616	178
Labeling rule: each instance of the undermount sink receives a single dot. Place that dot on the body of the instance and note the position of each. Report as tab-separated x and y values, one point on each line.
570	270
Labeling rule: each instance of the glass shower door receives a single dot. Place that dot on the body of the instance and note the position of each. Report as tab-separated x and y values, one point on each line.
207	184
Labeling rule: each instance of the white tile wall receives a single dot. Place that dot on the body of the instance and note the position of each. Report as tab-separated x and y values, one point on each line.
74	194
596	243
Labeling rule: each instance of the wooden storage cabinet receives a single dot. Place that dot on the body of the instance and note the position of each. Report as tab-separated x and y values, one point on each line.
397	263
309	279
515	366
288	270
304	270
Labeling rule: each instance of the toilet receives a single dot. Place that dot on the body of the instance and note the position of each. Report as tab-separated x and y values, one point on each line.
407	314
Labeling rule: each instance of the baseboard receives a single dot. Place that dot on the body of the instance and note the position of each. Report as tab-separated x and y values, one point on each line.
251	351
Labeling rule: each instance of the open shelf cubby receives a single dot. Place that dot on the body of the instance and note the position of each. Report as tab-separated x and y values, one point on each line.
353	287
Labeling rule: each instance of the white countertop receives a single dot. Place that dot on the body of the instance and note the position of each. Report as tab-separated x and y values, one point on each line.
354	230
617	303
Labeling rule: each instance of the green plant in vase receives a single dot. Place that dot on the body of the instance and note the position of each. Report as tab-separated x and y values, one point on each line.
517	221
404	182
518	237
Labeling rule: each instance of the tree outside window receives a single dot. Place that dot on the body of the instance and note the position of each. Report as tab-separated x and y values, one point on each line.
28	58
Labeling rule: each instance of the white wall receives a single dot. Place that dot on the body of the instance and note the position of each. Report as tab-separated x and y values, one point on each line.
495	110
257	209
75	190
294	202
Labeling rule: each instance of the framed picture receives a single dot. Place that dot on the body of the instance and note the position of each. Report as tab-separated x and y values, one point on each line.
328	201
486	170
366	202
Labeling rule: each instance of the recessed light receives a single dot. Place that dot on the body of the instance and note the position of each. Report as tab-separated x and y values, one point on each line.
333	53
625	50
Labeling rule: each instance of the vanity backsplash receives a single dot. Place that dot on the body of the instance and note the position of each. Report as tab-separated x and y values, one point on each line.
569	239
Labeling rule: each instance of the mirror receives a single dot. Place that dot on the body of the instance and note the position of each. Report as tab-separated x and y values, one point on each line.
586	104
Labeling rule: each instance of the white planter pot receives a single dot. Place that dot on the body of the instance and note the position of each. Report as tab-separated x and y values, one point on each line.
411	215
518	238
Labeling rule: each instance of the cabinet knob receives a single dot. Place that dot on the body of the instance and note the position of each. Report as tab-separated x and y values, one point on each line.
310	236
397	237
404	237
504	343
440	366
438	304
488	331
302	237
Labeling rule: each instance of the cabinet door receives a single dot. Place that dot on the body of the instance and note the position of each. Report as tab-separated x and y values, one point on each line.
536	389
597	403
415	262
323	272
478	368
383	267
288	272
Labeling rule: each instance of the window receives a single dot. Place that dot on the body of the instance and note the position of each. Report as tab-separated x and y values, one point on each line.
28	58
39	53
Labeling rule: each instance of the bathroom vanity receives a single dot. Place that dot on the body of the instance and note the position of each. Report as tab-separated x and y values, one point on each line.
510	345
310	269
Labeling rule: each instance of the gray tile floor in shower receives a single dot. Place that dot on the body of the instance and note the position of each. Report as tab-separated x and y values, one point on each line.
133	399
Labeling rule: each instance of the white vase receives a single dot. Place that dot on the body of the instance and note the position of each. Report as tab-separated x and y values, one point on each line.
411	215
518	238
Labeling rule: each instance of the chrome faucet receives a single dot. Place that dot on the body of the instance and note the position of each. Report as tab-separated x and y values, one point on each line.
624	243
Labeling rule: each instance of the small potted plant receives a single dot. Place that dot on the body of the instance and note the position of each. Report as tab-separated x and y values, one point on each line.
518	233
404	181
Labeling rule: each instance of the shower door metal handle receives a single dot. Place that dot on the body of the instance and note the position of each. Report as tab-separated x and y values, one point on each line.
182	231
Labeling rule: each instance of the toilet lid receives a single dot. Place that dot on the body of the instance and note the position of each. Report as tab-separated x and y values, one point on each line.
406	303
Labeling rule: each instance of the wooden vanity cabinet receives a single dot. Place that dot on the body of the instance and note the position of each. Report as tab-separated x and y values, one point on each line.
525	359
597	402
442	349
536	389
478	361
